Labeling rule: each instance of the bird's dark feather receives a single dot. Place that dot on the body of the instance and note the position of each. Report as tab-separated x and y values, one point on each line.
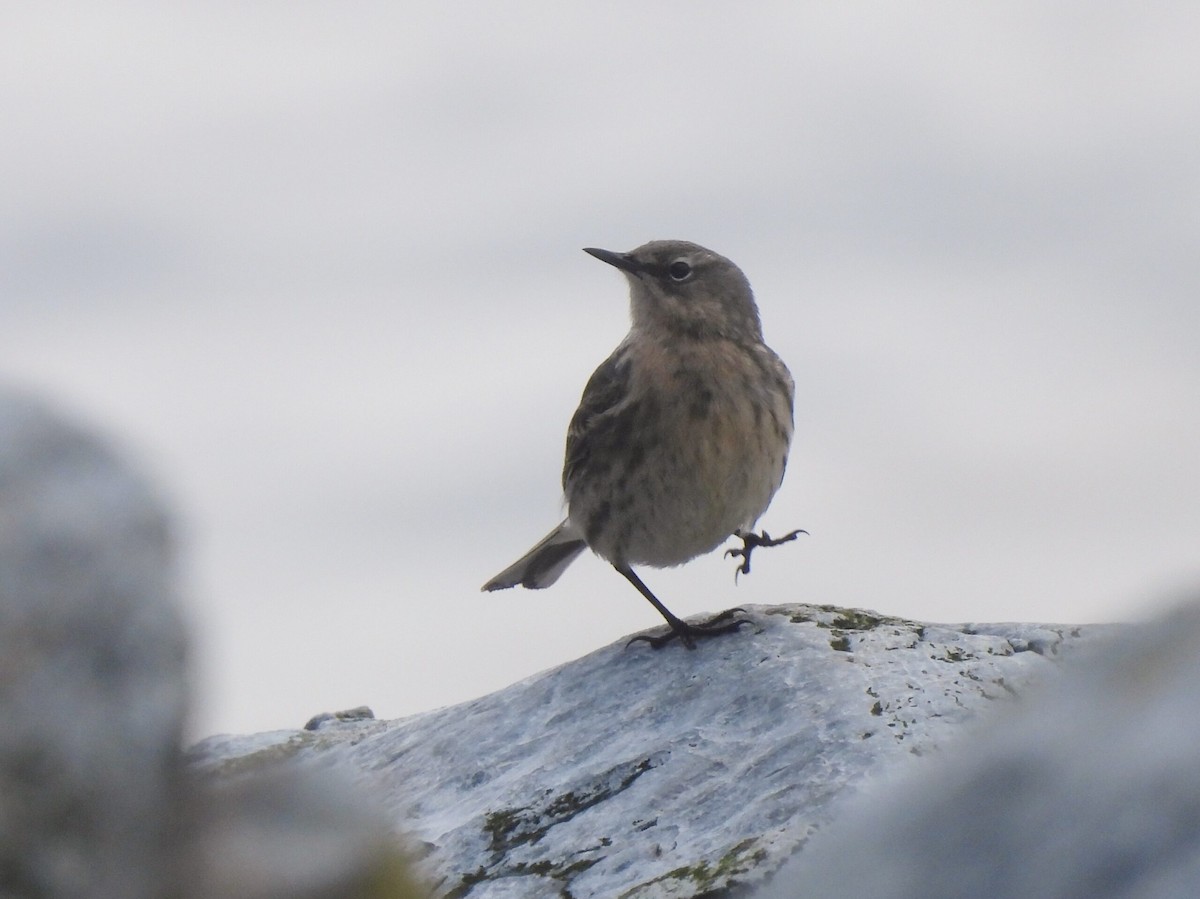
606	392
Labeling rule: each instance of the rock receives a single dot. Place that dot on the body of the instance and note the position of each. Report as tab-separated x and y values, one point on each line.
1091	788
642	773
293	832
359	713
92	690
95	798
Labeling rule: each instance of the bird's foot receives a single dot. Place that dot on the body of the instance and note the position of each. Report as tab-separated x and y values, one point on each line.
751	541
725	623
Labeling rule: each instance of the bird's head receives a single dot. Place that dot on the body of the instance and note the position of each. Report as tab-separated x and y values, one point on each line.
680	288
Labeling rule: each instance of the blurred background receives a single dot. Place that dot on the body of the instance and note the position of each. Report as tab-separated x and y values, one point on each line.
318	266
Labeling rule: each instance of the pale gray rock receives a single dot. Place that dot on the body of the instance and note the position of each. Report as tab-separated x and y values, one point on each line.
641	773
1088	790
92	691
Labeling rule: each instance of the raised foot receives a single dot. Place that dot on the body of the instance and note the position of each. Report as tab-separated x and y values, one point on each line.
751	541
725	623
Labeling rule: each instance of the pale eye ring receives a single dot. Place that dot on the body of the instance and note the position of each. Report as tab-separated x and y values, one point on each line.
679	270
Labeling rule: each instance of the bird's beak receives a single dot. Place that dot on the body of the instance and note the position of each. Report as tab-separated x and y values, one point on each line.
623	261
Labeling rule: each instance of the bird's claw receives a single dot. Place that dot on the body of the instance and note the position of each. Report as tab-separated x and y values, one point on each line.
751	541
687	634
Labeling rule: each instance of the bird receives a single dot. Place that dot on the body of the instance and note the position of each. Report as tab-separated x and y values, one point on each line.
681	437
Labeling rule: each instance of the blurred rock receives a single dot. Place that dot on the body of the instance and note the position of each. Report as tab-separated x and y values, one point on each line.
283	831
95	798
92	691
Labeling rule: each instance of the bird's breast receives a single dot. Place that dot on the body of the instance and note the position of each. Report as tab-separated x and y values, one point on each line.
702	451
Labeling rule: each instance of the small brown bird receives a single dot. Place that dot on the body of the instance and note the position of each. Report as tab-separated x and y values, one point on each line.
681	437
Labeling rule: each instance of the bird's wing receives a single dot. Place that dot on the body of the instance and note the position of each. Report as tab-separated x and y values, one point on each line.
607	391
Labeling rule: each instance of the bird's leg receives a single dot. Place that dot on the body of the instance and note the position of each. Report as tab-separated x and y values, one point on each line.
752	540
687	633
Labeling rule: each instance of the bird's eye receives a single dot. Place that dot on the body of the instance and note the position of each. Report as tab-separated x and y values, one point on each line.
679	270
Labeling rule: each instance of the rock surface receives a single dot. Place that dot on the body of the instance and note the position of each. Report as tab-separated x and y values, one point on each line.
1089	790
641	773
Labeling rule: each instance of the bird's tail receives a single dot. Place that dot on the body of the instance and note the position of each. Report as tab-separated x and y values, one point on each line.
542	565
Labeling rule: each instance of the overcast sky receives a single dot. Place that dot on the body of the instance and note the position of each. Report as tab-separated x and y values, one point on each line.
318	267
